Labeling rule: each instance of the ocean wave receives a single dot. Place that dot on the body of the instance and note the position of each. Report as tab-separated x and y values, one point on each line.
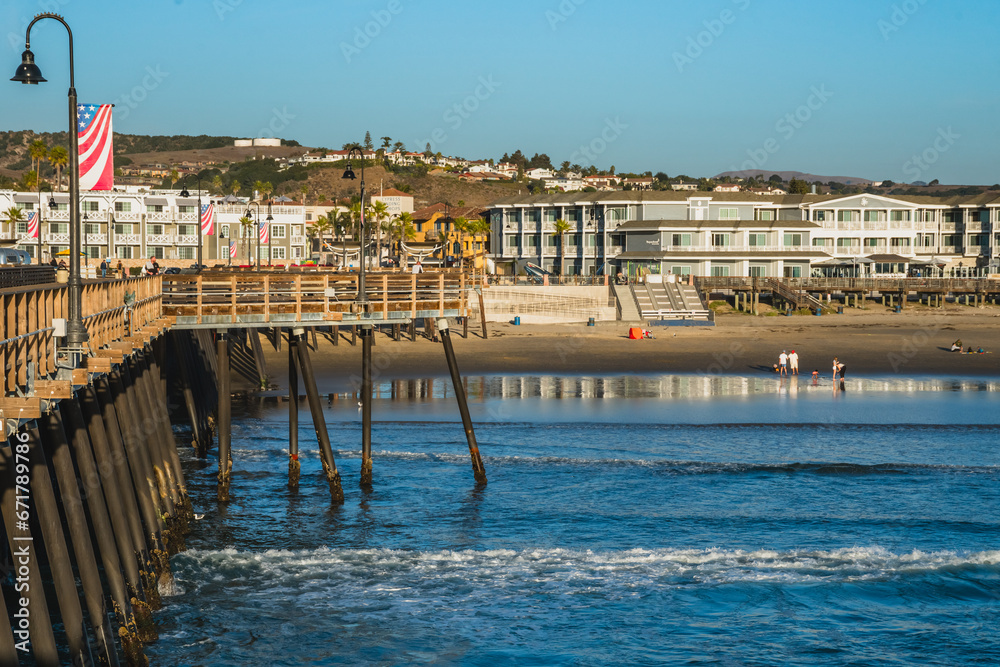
631	569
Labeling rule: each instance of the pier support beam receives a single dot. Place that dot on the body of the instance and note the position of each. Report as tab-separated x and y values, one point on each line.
293	410
225	417
463	406
366	406
57	451
319	421
183	362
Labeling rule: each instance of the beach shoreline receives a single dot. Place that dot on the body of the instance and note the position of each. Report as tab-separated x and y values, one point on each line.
914	343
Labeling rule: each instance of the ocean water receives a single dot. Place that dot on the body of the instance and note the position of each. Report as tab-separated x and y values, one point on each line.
627	520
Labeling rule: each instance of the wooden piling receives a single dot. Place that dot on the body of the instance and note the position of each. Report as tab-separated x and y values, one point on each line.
57	450
366	406
294	466
225	417
463	406
319	423
183	362
35	628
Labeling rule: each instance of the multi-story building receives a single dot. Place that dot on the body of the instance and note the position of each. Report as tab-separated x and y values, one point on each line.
742	234
135	223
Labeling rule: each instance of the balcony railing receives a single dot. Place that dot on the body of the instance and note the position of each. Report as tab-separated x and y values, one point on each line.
298	240
57	238
95	239
160	239
127	216
127	239
187	239
158	217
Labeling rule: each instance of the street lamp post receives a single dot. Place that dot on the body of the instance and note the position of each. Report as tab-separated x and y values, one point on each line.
362	297
197	217
256	231
29	73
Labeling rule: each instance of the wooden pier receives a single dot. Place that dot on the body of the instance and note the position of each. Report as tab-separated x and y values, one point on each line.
90	473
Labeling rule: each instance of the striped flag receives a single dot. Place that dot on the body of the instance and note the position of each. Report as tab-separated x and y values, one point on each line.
96	156
232	249
207	219
32	225
265	229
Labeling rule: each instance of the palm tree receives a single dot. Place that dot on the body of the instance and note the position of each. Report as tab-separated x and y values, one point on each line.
461	226
379	216
405	232
246	227
235	186
267	189
305	192
14	215
559	229
174	177
38	152
480	227
258	188
58	158
217	183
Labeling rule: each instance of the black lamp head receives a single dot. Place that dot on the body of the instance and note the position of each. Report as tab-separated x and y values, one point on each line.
52	203
27	71
185	193
269	218
349	173
247	213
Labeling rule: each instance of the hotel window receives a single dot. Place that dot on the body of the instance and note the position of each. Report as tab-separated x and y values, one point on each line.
185	252
154	208
91	228
900	243
531	215
758	271
848	243
573	240
123	228
976	239
278	232
185	209
925	240
925	216
297	252
123	207
58	228
765	215
551	240
28	206
874	216
61	206
532	241
720	271
278	252
154	230
22	228
951	215
822	242
296	230
680	270
616	213
757	239
899	216
187	230
680	239
822	216
89	206
591	240
156	251
950	240
729	214
872	242
123	252
550	215
56	249
573	215
793	240
848	216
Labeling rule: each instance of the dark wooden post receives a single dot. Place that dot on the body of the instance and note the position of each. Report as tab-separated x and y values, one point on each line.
319	421
293	411
366	406
463	407
225	417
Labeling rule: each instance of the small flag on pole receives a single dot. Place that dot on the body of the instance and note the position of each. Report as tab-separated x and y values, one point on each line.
232	249
32	225
96	155
264	230
207	219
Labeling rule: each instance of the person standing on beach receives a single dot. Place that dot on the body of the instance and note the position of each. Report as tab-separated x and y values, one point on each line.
836	368
793	362
783	363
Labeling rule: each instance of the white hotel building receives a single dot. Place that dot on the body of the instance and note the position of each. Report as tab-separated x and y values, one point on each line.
743	234
135	223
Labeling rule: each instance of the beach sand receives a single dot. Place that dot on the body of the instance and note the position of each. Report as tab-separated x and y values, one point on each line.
874	342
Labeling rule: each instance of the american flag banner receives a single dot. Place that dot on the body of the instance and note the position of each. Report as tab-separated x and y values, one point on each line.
265	230
207	219
232	249
96	155
32	225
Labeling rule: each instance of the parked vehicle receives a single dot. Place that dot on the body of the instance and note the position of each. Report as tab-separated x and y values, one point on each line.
9	256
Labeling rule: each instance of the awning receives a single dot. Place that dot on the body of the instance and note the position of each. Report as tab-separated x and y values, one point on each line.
282	199
155	201
27	198
893	259
185	202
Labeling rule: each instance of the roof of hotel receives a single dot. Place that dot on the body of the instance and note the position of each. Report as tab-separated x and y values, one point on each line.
991	198
657	225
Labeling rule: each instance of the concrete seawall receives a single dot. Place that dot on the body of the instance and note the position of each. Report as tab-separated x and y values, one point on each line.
549	304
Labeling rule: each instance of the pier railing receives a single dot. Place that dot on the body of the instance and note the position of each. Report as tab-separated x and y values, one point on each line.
938	285
244	298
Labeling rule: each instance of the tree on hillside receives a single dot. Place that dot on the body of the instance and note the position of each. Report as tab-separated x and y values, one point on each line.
934	182
559	229
59	158
267	189
540	161
217	183
775	179
798	187
564	167
369	145
399	147
662	177
305	192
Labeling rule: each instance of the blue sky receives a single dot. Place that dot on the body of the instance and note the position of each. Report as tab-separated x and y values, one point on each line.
847	88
